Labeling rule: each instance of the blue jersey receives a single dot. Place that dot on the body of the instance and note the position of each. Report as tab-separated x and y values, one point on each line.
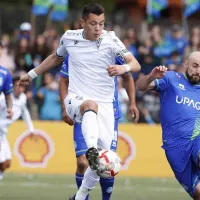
6	85
180	109
64	73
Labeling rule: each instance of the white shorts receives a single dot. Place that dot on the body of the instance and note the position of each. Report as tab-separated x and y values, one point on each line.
105	117
5	152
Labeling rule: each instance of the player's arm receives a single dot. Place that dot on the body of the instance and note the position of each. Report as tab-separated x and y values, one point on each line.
121	52
8	99
51	61
147	82
63	89
7	89
63	92
130	89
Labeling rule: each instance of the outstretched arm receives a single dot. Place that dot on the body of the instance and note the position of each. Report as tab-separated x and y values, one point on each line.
50	62
147	82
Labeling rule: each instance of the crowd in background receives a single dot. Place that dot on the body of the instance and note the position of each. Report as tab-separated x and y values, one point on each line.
169	47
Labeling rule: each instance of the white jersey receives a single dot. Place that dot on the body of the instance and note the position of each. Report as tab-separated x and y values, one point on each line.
88	63
19	109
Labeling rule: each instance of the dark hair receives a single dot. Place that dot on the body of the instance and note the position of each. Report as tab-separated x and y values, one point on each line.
93	8
1	45
15	79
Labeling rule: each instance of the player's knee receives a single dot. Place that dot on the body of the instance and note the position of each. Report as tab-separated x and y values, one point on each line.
82	164
89	105
7	164
2	166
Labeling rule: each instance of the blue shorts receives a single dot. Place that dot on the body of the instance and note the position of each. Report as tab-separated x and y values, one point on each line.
79	142
184	163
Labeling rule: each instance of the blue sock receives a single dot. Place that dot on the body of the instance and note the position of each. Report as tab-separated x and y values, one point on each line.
79	179
106	187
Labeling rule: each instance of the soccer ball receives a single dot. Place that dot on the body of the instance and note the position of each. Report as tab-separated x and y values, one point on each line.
109	164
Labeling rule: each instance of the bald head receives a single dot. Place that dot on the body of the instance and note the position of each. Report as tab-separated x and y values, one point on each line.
194	56
193	67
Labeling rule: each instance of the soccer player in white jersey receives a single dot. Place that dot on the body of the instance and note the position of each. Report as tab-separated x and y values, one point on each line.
19	109
92	66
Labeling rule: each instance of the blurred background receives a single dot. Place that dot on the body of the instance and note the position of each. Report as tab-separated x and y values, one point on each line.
156	32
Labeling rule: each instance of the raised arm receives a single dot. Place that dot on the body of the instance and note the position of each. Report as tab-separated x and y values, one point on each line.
147	82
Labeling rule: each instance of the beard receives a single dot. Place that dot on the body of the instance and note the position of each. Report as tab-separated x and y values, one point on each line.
193	79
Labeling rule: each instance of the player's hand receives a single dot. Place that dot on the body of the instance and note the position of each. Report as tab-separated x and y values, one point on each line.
24	80
134	112
67	119
10	113
33	137
158	72
115	70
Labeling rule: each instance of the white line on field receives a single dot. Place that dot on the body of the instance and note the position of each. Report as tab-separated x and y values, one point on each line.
73	186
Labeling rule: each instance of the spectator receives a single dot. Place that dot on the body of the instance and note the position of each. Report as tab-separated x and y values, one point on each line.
51	108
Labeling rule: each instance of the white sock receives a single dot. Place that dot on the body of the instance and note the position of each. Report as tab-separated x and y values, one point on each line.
89	181
1	175
90	128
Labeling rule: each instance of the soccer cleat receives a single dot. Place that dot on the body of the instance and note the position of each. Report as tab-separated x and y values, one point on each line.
92	156
72	198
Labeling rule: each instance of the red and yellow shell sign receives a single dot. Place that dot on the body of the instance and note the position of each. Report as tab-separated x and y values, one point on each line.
34	151
126	149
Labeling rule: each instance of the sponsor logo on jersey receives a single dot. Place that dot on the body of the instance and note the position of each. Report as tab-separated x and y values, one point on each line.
34	153
181	86
126	149
73	34
187	101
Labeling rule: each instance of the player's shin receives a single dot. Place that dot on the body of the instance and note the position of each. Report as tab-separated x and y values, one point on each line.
79	179
106	187
89	182
90	128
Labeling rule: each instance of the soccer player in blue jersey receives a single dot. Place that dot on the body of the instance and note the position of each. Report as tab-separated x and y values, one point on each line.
6	86
180	119
79	142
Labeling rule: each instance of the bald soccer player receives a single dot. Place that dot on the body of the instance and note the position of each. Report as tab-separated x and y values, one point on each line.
180	119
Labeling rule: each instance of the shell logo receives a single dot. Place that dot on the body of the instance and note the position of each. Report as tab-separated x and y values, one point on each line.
34	153
126	149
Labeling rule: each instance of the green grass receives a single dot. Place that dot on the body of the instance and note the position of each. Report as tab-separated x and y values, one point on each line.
60	187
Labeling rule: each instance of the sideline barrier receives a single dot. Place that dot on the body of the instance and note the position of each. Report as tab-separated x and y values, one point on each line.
53	151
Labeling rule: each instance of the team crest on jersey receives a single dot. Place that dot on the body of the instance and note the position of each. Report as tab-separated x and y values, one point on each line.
98	42
75	42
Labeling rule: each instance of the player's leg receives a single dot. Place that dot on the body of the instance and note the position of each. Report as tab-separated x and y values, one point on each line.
80	149
5	155
184	163
106	125
78	108
196	160
107	184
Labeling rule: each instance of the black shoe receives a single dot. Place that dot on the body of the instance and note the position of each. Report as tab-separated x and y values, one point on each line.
92	156
72	198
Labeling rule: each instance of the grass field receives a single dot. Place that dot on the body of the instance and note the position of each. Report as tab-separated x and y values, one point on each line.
60	187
